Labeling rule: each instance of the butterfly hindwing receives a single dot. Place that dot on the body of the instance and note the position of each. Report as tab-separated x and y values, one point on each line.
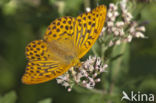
42	71
43	65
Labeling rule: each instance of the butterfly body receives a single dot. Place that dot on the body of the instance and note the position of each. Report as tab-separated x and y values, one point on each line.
64	52
66	40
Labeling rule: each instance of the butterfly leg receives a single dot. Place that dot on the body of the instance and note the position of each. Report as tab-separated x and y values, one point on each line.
78	65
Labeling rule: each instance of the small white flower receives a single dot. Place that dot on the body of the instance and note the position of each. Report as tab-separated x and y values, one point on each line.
84	82
111	5
129	38
92	84
66	84
132	30
116	13
129	15
141	28
113	18
103	29
101	69
88	86
110	43
105	66
86	76
95	74
116	33
84	73
139	35
91	68
124	12
98	61
121	32
98	80
119	24
109	14
124	28
91	79
115	7
72	71
59	81
64	77
118	42
109	24
114	29
127	20
123	4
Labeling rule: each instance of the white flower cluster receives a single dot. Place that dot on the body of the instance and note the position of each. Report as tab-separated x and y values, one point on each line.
85	76
121	25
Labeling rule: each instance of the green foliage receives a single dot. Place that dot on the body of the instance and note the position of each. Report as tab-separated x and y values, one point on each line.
148	85
92	98
48	100
119	61
131	66
73	6
10	97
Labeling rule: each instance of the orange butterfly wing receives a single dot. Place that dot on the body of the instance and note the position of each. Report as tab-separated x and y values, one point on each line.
66	40
41	67
88	28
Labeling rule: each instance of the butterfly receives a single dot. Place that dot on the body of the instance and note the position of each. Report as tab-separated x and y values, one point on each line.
65	41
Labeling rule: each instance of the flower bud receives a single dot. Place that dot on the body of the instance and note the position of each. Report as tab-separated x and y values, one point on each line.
119	24
69	89
116	14
110	24
129	38
98	80
110	43
109	14
118	42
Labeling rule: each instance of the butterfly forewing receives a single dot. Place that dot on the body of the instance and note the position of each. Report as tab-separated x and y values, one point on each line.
60	29
37	50
88	28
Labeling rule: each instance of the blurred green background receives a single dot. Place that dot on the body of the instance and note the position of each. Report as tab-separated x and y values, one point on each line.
22	21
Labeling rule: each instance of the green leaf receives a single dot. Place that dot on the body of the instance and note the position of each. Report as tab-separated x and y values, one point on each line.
47	100
120	57
96	49
148	84
118	65
9	97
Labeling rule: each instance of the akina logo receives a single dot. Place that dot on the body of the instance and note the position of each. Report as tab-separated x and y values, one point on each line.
138	96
